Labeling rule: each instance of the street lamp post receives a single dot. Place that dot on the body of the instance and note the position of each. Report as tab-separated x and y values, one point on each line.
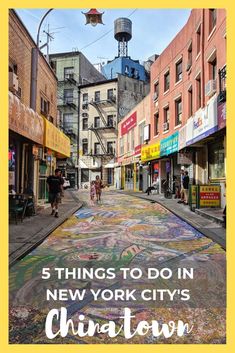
93	17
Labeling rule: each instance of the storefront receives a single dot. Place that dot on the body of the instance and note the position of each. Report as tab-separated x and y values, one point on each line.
206	136
168	162
56	146
150	164
26	130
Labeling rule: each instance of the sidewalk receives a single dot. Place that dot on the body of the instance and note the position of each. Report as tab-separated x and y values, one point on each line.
25	236
207	225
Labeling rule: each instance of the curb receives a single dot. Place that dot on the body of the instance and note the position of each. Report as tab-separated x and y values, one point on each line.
206	232
44	234
210	217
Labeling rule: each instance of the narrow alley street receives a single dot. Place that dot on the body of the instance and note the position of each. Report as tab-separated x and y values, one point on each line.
122	231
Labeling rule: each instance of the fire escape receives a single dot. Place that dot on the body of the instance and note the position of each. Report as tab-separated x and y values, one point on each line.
107	125
66	104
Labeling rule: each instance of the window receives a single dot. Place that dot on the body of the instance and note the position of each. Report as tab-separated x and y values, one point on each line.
199	92
110	94
85	124
156	91
68	95
85	97
97	148
190	56
141	132
126	70
121	146
110	120
166	114
84	175
178	69
190	101
132	139
213	69
45	107
85	148
97	121
68	72
198	34
110	147
167	81
212	19
156	124
97	96
178	112
128	141
68	121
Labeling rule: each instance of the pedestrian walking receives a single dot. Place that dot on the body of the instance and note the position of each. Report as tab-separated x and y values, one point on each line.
186	187
92	192
55	188
98	188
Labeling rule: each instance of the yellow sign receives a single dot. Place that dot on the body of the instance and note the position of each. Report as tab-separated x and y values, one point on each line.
150	152
209	195
56	140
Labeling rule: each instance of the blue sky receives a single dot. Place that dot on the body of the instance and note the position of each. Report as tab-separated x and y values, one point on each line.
152	30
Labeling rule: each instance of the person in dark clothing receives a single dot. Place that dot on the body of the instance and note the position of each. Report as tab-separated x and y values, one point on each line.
186	186
55	188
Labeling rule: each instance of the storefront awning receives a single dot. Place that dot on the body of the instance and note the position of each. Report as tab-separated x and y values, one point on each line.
56	140
24	120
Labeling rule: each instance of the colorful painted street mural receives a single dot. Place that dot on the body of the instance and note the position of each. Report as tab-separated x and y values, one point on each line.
121	231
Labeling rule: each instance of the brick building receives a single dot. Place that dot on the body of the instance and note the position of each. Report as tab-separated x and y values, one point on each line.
133	133
34	140
188	102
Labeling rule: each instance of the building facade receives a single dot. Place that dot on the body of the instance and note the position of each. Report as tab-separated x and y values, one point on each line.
102	106
133	133
72	69
188	104
35	142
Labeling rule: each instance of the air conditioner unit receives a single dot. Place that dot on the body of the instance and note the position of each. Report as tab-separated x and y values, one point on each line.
210	88
166	126
13	82
155	96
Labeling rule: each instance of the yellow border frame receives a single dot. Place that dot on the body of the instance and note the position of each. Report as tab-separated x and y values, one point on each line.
5	347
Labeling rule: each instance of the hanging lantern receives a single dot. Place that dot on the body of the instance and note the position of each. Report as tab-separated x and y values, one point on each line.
93	17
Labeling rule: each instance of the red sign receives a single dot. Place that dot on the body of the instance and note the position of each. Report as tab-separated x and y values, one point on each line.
221	115
137	150
129	124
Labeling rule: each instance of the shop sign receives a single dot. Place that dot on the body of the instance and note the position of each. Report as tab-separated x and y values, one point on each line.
138	150
221	115
209	196
56	140
203	123
184	158
182	137
156	168
25	121
149	152
129	124
169	145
